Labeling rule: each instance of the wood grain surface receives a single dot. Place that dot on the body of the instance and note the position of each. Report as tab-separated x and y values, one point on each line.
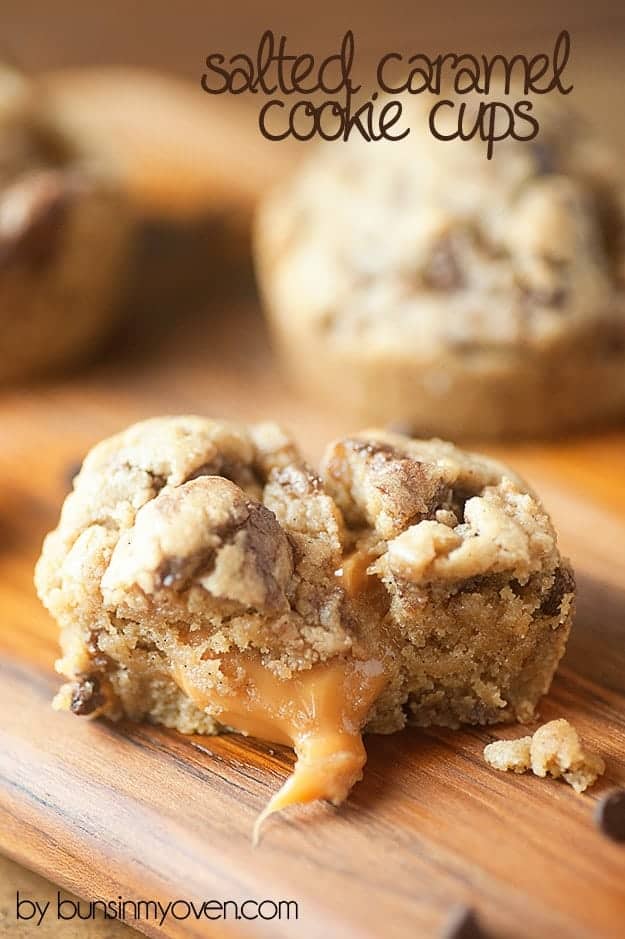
141	812
15	879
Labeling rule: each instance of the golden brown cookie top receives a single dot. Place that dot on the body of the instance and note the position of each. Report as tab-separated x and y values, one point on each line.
209	532
426	246
222	528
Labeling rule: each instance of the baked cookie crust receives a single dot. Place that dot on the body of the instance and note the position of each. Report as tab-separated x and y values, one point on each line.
64	227
417	281
205	578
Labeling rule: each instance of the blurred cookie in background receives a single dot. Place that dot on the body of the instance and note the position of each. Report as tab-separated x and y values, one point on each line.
193	166
64	227
419	282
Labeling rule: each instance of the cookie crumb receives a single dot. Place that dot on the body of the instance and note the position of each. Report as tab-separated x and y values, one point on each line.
554	750
610	814
463	924
509	755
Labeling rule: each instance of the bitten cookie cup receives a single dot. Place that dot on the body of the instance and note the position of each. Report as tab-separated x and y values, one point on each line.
64	226
204	577
417	281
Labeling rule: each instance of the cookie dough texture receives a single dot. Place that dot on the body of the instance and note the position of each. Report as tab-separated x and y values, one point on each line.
417	281
188	544
63	231
554	750
509	755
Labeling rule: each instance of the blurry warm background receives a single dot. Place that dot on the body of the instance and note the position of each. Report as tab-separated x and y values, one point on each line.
177	37
209	354
207	363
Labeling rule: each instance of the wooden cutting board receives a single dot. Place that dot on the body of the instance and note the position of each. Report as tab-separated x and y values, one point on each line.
138	811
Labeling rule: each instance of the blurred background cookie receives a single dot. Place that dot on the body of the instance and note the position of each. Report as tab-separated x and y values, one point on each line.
418	281
192	166
63	231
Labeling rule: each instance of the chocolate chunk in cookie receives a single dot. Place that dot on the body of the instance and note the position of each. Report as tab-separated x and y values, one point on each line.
610	814
86	697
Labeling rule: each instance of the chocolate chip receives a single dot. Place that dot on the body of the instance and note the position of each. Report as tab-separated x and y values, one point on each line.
563	583
610	814
463	924
177	573
409	488
86	697
443	271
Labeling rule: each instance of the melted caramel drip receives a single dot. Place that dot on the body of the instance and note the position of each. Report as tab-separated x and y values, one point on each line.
353	573
363	589
320	712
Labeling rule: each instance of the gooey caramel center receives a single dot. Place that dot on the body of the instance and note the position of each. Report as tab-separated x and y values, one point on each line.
320	712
